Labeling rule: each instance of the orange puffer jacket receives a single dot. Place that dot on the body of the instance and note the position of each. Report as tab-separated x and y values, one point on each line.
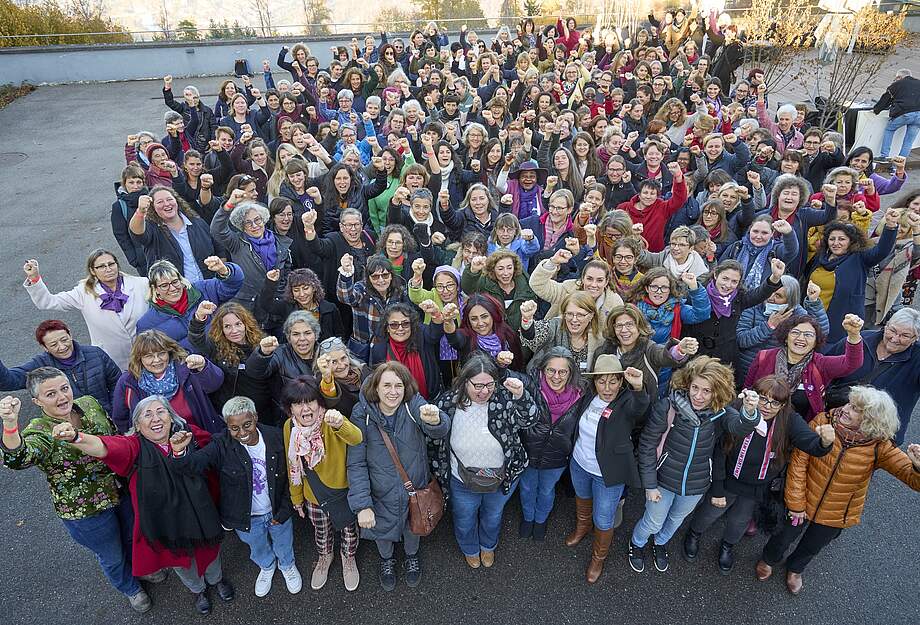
832	489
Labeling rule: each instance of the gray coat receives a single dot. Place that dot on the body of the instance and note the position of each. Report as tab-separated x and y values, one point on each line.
373	480
254	270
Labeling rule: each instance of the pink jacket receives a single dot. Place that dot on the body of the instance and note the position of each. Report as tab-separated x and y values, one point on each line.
767	122
820	372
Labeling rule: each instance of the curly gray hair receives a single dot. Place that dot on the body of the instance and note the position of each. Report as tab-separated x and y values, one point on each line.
244	208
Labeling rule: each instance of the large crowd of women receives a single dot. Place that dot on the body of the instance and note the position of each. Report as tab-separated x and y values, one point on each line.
538	264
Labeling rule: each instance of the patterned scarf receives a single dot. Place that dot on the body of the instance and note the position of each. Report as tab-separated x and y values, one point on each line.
721	304
167	385
792	374
848	436
113	300
306	444
753	260
665	315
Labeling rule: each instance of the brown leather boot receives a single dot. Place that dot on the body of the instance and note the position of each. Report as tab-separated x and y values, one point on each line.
763	570
794	582
583	523
599	551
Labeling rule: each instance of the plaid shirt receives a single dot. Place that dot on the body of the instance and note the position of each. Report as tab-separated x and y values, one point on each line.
367	306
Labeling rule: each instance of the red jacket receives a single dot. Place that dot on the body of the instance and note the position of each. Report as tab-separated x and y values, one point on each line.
655	217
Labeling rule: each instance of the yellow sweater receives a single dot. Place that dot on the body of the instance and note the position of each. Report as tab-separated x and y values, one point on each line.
331	471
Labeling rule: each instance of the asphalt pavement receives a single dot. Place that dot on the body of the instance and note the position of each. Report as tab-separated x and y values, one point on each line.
60	151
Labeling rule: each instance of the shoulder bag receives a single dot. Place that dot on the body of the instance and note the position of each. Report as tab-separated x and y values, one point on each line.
426	505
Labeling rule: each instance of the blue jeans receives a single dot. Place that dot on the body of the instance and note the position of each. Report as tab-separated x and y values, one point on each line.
477	517
108	535
605	499
538	492
912	121
268	542
663	517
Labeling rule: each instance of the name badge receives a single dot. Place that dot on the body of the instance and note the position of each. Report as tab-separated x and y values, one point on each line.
607	412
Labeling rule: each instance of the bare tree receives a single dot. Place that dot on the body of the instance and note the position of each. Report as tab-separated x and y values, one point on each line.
264	15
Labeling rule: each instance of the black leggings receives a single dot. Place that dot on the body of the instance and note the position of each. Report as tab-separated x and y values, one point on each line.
816	538
737	512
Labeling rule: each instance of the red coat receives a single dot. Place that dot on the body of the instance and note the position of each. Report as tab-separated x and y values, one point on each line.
655	217
145	560
820	372
570	42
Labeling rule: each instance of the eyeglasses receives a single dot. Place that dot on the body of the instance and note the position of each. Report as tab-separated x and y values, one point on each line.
576	315
380	277
679	244
255	221
166	286
105	266
443	288
244	180
398	325
708	211
801	333
351	226
487	386
902	336
766	402
622	257
556	373
558	208
656	288
625	325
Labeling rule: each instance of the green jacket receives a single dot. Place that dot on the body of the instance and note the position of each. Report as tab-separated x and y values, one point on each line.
480	283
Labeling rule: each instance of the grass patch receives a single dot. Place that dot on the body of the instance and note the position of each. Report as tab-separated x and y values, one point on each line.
8	93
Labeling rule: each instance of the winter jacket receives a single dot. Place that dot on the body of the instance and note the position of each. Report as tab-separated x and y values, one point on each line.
123	208
718	336
94	373
195	387
549	444
898	375
647	356
244	254
749	482
850	276
227	457
755	335
160	244
767	122
785	249
731	163
113	332
685	465
655	217
817	376
327	253
174	325
543	283
508	417
803	219
902	96
271	303
832	489
254	118
373	480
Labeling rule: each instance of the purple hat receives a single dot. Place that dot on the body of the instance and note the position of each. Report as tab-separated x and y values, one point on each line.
530	165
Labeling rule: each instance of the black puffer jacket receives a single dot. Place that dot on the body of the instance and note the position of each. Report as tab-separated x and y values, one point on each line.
685	466
233	466
549	445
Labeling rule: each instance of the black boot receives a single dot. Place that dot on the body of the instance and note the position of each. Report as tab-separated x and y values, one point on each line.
726	558
691	545
525	529
539	531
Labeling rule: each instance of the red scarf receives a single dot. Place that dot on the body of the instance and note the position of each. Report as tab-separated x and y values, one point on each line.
400	352
180	306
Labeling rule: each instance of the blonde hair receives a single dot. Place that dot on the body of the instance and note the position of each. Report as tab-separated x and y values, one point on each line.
585	301
880	415
720	376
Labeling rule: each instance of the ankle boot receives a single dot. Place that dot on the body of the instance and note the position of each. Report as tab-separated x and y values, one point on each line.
583	522
691	545
726	558
599	550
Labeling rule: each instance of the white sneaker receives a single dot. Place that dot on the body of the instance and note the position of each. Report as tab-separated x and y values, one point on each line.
292	579
264	581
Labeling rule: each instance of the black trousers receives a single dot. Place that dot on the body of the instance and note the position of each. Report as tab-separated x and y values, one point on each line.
816	537
738	512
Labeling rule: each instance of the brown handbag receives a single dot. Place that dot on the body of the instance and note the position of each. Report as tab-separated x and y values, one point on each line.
426	505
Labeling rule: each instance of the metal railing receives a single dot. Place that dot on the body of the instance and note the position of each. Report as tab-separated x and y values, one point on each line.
320	31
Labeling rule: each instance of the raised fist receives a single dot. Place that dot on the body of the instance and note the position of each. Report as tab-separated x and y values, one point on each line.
334	418
430	414
749	400
195	362
9	411
216	265
528	310
477	264
268	345
504	358
782	226
514	386
205	309
347	266
179	441
31	269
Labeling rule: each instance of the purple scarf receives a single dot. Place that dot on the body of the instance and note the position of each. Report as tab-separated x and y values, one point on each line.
490	343
557	402
266	248
113	300
528	203
721	304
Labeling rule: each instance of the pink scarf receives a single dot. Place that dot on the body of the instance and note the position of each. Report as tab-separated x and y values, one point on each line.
306	443
558	402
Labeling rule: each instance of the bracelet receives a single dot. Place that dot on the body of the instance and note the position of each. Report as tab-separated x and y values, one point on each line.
12	430
76	437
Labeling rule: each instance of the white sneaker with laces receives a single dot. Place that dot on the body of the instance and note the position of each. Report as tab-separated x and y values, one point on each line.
292	579
264	581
